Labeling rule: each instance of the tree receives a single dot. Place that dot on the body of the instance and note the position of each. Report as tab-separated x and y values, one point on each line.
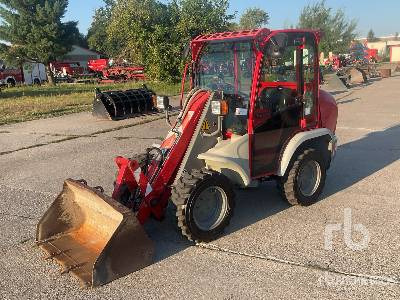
371	36
396	36
253	18
33	30
154	34
138	31
97	33
197	17
338	31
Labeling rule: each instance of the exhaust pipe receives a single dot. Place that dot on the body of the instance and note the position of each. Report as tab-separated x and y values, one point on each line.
92	236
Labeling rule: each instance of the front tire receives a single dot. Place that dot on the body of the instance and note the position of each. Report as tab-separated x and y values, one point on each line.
205	204
305	179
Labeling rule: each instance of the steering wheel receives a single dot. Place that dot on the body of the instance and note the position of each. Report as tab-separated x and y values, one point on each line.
218	83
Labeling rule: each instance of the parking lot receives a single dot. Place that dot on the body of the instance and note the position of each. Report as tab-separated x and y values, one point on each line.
270	250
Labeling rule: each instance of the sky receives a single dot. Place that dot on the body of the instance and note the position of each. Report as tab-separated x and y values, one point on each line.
381	16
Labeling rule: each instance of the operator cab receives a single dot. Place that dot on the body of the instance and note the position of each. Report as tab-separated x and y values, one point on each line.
286	93
269	81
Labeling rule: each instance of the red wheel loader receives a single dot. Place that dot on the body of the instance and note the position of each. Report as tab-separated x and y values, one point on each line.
255	112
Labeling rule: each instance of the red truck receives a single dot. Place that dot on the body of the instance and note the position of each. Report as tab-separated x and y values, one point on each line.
10	76
29	73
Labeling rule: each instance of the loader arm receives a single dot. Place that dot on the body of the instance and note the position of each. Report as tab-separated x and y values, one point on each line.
152	190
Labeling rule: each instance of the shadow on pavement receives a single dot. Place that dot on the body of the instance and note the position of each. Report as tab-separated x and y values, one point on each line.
361	158
347	101
252	205
335	93
355	161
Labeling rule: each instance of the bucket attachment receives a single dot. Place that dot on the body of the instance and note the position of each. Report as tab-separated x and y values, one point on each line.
93	236
117	105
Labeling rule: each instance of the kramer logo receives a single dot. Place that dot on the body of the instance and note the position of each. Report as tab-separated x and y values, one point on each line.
205	126
347	228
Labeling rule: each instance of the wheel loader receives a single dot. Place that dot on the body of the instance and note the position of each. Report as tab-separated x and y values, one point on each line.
255	112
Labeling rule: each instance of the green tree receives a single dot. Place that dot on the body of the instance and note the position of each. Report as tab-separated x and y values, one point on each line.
97	33
138	31
154	34
396	36
371	36
253	18
33	30
202	16
338	31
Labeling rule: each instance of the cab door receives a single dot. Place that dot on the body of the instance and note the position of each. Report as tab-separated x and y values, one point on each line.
281	108
310	69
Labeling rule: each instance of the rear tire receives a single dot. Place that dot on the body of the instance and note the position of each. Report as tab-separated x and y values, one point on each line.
205	204
305	179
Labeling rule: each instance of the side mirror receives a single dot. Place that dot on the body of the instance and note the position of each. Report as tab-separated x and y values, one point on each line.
299	42
275	51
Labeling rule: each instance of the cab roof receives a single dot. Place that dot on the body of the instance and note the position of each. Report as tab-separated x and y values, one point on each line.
232	35
244	35
247	34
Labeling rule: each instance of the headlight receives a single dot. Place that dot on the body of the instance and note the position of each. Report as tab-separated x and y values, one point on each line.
219	107
162	102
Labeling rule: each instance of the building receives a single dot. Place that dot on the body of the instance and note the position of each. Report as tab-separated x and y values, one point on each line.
81	55
394	53
383	44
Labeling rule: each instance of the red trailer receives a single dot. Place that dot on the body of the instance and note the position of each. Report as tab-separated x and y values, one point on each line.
372	54
108	70
67	68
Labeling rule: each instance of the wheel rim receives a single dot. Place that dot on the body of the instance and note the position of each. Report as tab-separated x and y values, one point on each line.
309	178
210	208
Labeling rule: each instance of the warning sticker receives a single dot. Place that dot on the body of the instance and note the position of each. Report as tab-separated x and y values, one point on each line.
205	126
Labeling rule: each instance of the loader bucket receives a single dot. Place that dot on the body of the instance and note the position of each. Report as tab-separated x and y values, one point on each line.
118	105
93	236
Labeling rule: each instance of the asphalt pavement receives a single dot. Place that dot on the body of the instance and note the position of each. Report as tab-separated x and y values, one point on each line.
270	250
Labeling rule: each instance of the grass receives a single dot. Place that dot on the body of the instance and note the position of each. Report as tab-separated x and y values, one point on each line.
27	103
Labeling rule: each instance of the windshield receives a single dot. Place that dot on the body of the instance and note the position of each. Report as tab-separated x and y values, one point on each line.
227	67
